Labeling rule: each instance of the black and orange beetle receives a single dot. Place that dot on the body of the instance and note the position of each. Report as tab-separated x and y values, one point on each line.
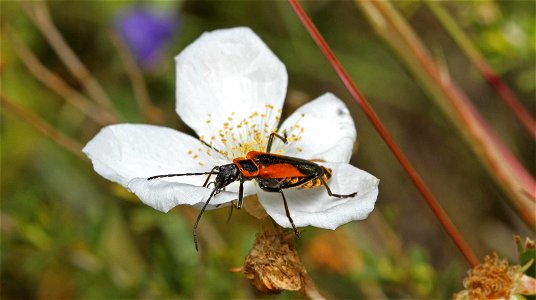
273	173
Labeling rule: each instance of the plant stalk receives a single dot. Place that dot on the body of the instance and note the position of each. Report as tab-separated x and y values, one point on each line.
501	164
468	47
388	139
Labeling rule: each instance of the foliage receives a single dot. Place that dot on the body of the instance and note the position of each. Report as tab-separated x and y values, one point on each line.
67	233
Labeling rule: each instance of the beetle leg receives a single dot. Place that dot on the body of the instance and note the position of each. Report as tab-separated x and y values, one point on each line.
324	183
288	213
240	194
271	139
213	171
240	200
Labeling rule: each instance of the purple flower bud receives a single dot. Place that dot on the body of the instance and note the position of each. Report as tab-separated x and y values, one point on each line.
146	32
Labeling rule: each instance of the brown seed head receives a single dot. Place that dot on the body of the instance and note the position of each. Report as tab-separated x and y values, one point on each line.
493	279
273	265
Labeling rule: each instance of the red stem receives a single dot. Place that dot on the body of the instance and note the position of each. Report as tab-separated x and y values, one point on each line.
509	97
376	122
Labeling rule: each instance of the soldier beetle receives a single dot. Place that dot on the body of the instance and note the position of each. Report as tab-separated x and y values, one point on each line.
273	173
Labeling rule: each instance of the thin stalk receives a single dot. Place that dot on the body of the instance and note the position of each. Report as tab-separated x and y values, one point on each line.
38	12
310	290
502	165
44	127
388	139
150	113
468	47
55	83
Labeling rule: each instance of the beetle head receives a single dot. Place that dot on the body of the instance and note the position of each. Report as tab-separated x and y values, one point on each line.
227	174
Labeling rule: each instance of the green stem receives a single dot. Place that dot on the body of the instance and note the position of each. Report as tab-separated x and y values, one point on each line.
469	48
502	165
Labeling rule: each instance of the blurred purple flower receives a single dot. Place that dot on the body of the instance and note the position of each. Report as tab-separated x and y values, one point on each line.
146	32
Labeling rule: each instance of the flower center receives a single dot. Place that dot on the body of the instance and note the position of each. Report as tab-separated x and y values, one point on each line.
235	138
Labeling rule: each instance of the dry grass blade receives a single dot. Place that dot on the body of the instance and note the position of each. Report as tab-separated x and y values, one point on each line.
38	12
55	83
42	126
150	112
468	47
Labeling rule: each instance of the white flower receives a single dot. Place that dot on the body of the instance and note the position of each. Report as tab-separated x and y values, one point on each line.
230	91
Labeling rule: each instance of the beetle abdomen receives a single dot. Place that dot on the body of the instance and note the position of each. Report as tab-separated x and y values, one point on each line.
315	182
291	181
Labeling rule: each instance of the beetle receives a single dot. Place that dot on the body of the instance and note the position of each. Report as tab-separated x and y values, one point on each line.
273	173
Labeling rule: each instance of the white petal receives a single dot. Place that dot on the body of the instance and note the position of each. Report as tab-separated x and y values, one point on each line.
315	207
125	151
226	76
328	131
163	195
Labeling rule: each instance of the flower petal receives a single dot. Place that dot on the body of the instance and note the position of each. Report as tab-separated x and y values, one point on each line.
316	208
328	131
125	151
163	195
225	76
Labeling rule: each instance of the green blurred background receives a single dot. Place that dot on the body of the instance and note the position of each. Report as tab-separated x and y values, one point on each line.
68	233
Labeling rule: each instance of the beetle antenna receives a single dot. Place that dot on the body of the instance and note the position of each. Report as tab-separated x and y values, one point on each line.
183	174
210	146
199	216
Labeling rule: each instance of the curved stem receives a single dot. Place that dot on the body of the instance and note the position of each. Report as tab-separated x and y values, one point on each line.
57	84
42	126
468	47
388	139
150	112
38	12
501	164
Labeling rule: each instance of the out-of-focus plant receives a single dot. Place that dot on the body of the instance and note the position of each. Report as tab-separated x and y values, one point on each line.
410	170
496	279
501	164
65	235
147	32
483	66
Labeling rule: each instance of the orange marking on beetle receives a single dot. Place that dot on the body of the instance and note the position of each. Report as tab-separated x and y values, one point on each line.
274	173
279	171
247	168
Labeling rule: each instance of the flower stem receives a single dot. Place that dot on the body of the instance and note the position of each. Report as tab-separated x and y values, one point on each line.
376	122
310	290
464	42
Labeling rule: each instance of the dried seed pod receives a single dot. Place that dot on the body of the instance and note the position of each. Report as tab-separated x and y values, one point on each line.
273	265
